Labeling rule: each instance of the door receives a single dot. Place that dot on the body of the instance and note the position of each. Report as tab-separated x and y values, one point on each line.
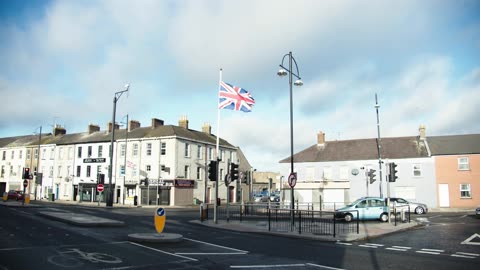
443	195
375	207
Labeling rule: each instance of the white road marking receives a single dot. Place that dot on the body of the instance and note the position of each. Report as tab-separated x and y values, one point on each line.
432	250
401	247
212	253
266	266
377	245
468	254
164	252
467	241
397	249
234	249
464	216
462	256
346	244
427	252
367	246
324	266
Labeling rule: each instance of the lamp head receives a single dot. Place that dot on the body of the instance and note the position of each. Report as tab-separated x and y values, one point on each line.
282	72
298	83
127	86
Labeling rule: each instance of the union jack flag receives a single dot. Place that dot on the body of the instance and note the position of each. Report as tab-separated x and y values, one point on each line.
234	98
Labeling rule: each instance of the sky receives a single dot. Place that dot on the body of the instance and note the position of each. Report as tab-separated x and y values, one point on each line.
63	61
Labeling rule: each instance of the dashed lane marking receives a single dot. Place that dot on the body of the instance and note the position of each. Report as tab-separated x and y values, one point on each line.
345	244
401	247
214	245
468	254
266	266
397	249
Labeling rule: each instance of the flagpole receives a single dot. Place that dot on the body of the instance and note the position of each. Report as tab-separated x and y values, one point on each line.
217	151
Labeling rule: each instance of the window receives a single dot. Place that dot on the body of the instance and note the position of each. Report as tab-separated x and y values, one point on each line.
59	170
52	153
310	173
199	151
78	171
20	154
50	171
122	170
162	168
35	155
88	170
221	154
4	155
465	191
11	170
135	149
68	170
70	153
163	149
199	173
13	155
149	149
210	150
60	153
29	154
186	171
463	164
417	170
44	153
99	169
149	168
231	155
122	150
100	150
89	151
2	173
187	150
79	153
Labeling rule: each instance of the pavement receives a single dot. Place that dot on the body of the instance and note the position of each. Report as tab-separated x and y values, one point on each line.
367	230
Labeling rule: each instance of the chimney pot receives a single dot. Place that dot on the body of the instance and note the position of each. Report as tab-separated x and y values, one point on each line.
156	122
422	132
93	128
183	122
206	128
321	138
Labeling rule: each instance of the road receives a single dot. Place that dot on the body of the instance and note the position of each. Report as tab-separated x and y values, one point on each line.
29	241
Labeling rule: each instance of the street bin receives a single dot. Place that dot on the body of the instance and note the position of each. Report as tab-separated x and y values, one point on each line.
5	196
135	200
27	198
218	201
203	211
52	197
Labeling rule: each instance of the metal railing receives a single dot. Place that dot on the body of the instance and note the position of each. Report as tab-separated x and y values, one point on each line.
280	219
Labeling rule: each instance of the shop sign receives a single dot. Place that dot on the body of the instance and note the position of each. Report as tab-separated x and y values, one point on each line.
94	160
184	183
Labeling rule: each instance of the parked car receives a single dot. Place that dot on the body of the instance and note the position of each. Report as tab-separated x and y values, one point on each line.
260	198
477	212
365	208
418	208
15	195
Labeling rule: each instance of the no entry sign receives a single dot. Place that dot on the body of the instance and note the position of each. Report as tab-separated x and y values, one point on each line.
100	187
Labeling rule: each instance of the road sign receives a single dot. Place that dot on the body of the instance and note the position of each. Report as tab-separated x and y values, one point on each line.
25	183
292	179
159	219
228	179
100	187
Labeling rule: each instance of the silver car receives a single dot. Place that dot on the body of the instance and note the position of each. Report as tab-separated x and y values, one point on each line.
399	203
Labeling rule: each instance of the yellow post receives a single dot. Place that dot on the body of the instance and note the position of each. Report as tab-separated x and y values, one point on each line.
27	198
5	196
159	219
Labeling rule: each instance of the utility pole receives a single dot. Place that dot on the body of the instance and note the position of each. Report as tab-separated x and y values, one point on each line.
379	147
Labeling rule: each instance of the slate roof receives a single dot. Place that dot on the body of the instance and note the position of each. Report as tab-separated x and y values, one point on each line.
362	149
454	144
104	136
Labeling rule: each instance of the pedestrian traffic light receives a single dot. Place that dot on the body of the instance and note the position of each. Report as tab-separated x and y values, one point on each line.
371	175
212	170
393	172
101	178
26	173
233	171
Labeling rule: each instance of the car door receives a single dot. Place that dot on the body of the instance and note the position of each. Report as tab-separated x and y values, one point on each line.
375	207
360	207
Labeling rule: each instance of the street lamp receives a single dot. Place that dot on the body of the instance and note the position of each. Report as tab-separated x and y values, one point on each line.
110	190
283	72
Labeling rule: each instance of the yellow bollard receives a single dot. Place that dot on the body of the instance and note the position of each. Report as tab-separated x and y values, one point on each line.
159	219
5	196
27	198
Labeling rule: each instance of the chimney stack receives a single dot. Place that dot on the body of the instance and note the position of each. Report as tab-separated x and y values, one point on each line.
206	128
58	130
183	122
93	128
156	122
109	127
422	132
133	124
320	138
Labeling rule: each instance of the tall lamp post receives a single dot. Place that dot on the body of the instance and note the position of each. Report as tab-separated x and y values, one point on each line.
283	72
110	190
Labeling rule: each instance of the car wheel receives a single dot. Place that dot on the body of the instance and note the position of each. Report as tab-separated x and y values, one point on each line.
384	217
348	217
419	210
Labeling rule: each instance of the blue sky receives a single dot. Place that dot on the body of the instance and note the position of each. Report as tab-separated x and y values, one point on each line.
62	62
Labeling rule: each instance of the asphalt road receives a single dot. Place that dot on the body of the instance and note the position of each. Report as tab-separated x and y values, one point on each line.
28	241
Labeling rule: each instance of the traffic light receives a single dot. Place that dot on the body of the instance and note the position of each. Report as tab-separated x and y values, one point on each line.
26	173
233	171
212	170
393	172
371	175
101	178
